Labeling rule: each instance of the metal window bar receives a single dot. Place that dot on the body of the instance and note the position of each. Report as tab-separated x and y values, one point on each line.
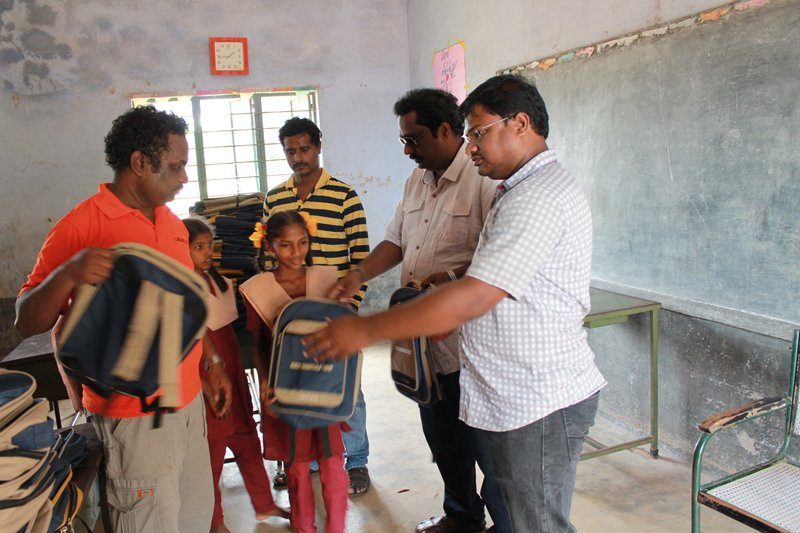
231	140
261	152
269	133
267	155
198	148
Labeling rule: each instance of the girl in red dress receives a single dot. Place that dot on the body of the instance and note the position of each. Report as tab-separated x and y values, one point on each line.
237	430
287	234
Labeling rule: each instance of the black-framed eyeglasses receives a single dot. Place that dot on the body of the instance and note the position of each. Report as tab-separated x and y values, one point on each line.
407	140
476	136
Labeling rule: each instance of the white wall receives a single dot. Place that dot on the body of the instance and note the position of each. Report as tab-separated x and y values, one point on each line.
505	33
71	66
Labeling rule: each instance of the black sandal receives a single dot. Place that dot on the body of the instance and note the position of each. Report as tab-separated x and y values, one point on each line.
279	481
359	480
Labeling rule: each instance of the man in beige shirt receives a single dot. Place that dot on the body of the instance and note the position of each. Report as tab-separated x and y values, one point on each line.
434	233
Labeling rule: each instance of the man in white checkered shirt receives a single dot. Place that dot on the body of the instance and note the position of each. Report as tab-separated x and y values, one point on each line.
528	377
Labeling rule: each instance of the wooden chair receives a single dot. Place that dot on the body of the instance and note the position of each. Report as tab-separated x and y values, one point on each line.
765	497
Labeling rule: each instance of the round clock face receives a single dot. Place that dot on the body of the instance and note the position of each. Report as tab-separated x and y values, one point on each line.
229	56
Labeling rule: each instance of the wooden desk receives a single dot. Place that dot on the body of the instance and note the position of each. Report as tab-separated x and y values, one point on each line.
614	308
35	356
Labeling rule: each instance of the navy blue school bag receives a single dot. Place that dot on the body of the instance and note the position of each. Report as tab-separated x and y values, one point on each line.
310	394
129	334
26	435
66	497
411	365
24	424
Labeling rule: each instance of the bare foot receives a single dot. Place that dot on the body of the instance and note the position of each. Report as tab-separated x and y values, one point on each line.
277	511
221	528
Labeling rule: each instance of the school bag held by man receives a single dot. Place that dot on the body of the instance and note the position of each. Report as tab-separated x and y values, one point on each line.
129	334
412	367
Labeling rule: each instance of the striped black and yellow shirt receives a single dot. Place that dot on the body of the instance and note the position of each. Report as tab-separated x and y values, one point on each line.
342	238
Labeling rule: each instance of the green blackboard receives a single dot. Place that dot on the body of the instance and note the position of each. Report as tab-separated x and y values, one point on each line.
688	145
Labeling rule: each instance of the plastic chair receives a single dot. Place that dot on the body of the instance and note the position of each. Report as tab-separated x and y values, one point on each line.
765	497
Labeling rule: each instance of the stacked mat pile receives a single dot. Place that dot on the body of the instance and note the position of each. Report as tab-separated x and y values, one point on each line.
233	218
36	489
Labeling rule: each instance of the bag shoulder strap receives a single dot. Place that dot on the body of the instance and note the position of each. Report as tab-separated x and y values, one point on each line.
320	279
266	296
168	264
154	310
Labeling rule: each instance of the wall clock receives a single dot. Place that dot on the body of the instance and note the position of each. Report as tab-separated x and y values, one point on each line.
228	56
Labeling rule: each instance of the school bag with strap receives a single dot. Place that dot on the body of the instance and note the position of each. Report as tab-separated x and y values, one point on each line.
66	497
26	435
23	419
310	394
129	334
298	382
16	393
30	430
412	368
26	476
24	498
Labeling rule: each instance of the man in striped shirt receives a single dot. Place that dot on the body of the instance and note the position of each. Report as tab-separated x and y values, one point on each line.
341	240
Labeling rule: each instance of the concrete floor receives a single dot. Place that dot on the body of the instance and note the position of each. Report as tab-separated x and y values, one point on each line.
627	491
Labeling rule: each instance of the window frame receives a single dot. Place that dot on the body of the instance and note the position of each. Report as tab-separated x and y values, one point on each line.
256	99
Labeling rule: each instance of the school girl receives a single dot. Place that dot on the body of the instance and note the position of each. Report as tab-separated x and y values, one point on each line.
287	235
237	430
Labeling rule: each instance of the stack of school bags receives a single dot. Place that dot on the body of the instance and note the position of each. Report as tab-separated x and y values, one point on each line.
36	490
234	219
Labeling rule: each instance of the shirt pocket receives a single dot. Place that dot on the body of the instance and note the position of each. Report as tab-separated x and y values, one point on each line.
412	213
454	225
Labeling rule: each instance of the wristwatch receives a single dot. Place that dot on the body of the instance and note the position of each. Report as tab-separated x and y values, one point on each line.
213	360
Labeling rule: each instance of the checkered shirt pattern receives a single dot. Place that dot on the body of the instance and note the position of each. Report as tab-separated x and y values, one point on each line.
528	357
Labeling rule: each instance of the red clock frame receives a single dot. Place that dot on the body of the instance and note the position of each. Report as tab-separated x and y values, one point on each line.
212	55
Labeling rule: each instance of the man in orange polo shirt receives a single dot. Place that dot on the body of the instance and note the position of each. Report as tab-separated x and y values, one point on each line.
157	479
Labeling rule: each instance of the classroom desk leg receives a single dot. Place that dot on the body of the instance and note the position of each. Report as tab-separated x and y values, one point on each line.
56	413
654	382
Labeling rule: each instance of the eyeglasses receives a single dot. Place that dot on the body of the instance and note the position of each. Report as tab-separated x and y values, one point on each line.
476	136
407	140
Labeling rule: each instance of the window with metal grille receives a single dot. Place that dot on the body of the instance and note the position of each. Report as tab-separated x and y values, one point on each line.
233	140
